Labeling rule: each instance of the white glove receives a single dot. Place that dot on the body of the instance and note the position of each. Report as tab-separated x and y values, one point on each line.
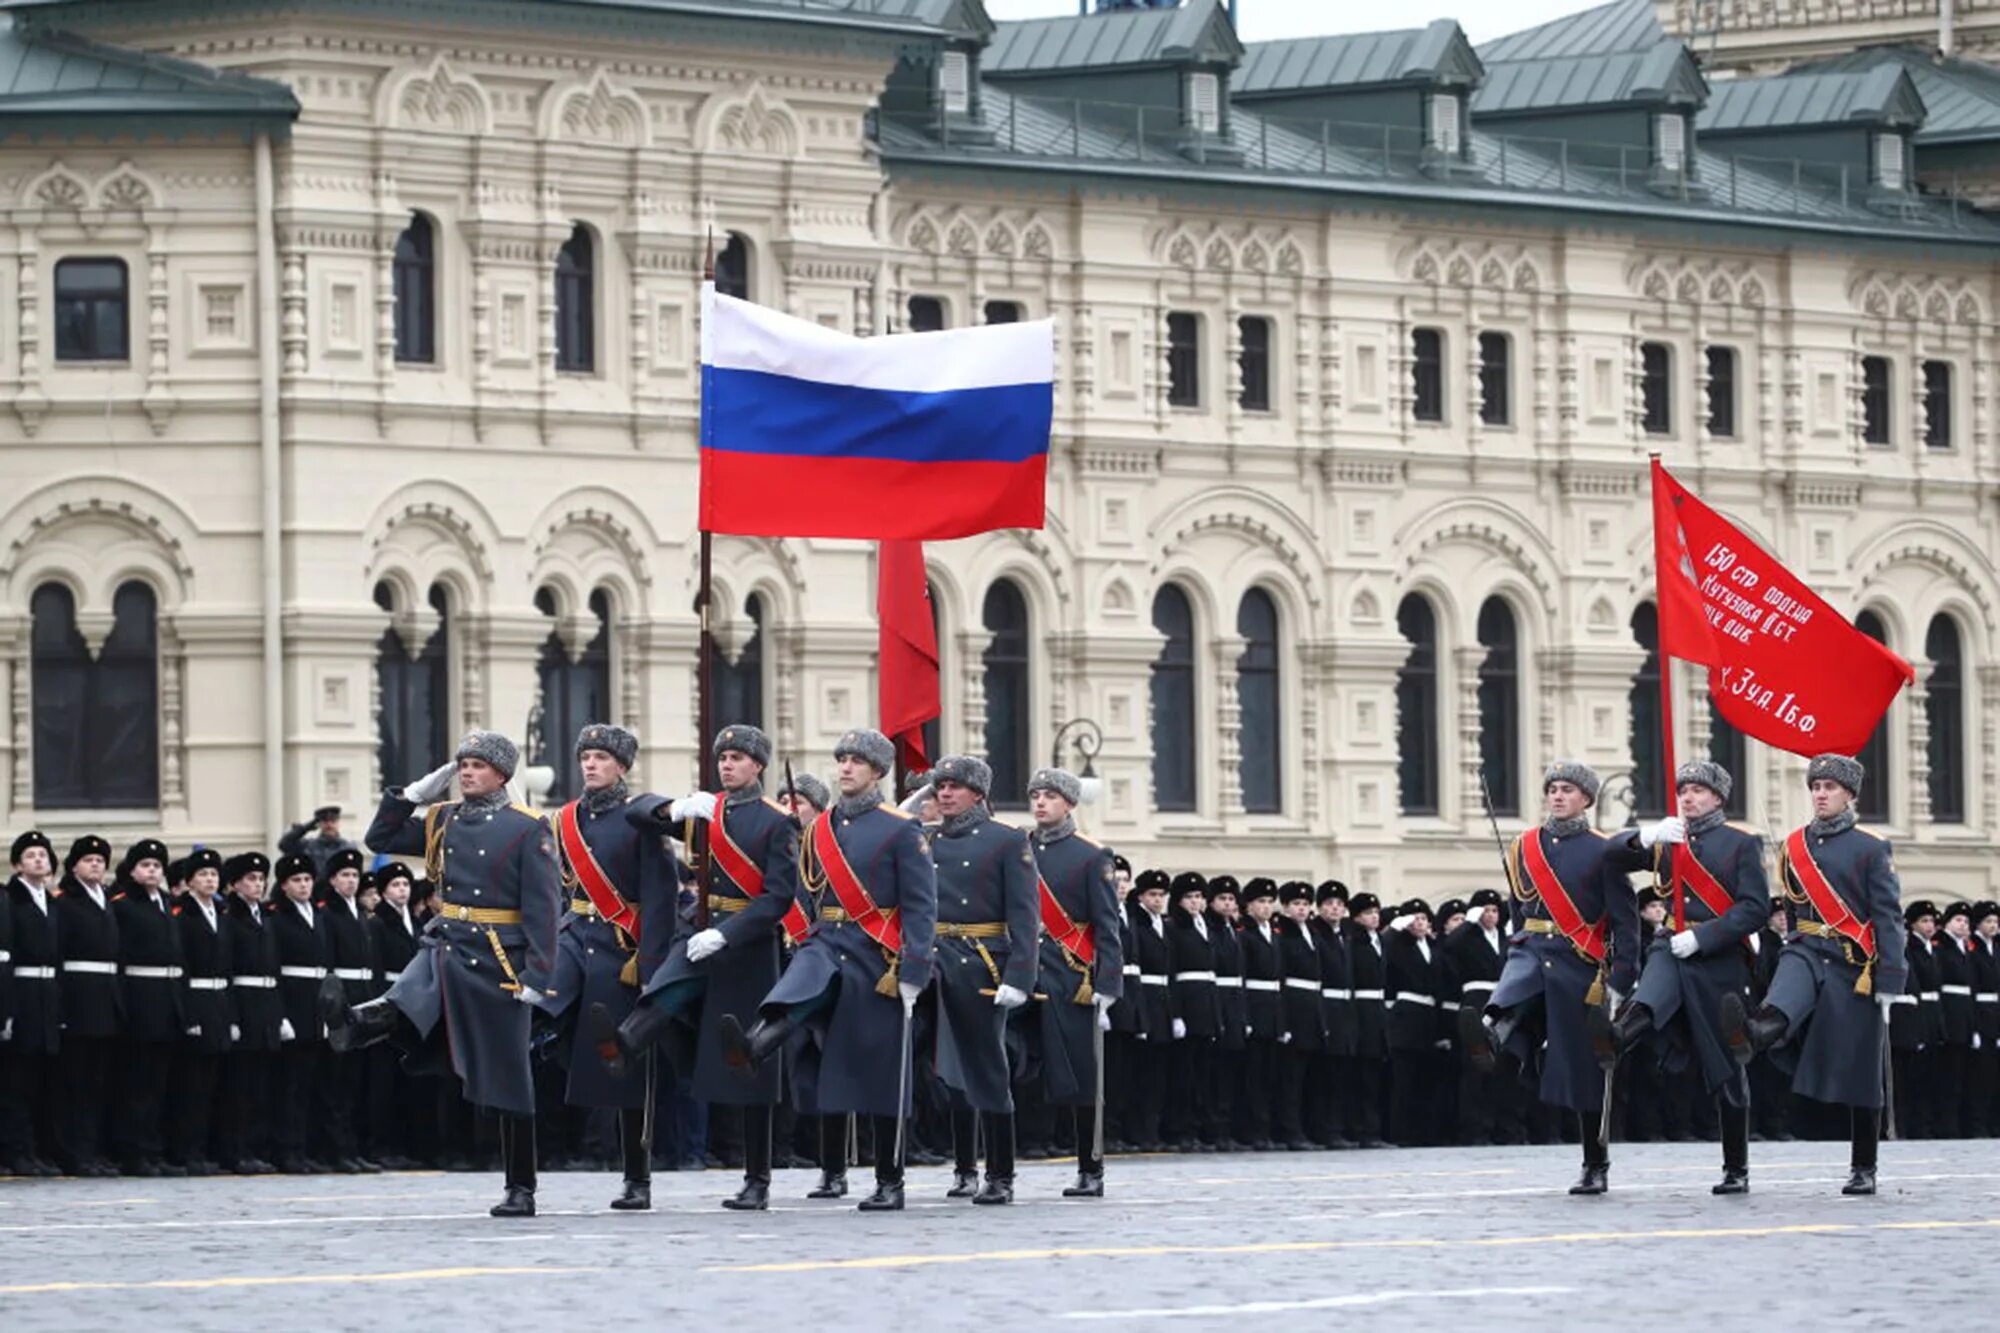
697	805
7	1030
1104	1020
1103	1004
1671	829
1009	997
285	1032
704	943
194	1031
1444	1043
529	995
1284	1039
914	802
909	994
1180	1028
1976	1042
1886	1003
1249	1030
430	786
1684	944
1617	1000
1756	944
235	1033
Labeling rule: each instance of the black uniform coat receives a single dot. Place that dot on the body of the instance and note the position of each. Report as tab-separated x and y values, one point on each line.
37	1001
1339	1016
305	952
89	936
1191	974
149	940
495	857
850	1066
1223	946
1302	1021
1837	1057
1548	968
206	1008
1417	988
736	980
985	875
1955	1012
253	960
1079	873
1367	973
1145	1010
1734	855
1985	992
1263	979
396	944
1475	962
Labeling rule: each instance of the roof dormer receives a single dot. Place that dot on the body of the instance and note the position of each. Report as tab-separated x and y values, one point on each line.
1846	131
1628	112
938	85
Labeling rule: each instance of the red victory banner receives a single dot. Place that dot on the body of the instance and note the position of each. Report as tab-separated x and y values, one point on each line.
908	668
1784	666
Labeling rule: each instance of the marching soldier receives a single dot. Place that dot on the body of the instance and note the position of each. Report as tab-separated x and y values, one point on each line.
1575	945
807	799
351	962
988	916
1419	1049
1478	951
491	953
317	839
1142	1020
300	932
1263	980
88	935
1082	966
1196	1017
249	1075
727	967
33	1032
871	889
149	975
1704	955
207	1012
1830	998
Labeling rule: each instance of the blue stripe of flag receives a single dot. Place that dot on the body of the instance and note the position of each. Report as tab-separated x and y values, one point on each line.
753	411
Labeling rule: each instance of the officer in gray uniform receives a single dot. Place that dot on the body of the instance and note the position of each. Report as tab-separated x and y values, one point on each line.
1826	1013
870	890
490	952
1726	901
622	885
1082	965
988	916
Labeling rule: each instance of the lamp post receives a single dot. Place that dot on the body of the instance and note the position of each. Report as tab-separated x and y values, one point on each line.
1088	740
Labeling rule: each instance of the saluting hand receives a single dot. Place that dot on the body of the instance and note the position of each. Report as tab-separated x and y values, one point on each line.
695	805
430	786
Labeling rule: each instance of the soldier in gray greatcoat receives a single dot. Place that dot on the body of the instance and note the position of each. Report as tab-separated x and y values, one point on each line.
1690	969
489	953
988	917
1826	1013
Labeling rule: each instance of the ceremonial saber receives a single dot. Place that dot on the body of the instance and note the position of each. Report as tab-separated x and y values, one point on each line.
1888	1084
1097	1050
902	1084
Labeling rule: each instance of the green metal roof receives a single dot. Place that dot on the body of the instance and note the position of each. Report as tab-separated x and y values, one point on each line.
1123	37
1661	73
1961	97
1411	55
1883	95
51	79
1620	26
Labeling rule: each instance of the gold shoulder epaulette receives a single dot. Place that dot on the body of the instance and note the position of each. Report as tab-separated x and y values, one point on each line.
1742	827
527	810
1879	837
775	806
886	808
1088	842
1602	834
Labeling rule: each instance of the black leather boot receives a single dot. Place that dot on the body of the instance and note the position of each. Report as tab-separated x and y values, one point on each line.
349	1028
1596	1177
1735	1149
619	1045
755	1196
636	1194
1475	1038
888	1195
1748	1035
744	1051
1089	1166
1864	1134
832	1159
965	1155
517	1154
999	1186
1632	1023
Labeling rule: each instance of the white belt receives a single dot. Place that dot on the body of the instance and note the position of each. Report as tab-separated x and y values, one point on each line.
1956	990
1902	999
1148	979
1368	995
1230	983
1988	997
255	983
1478	985
1253	984
1449	1006
353	974
1194	976
1329	993
1131	969
1427	1001
97	969
35	973
392	976
208	983
154	973
303	973
1302	983
1929	996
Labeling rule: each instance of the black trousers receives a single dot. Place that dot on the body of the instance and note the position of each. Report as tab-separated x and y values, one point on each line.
888	1164
144	1071
1362	1097
248	1078
343	1082
1294	1080
1191	1065
191	1107
1146	1091
1483	1109
1770	1098
1224	1085
299	1065
28	1101
84	1067
394	1110
1259	1091
1953	1076
1418	1083
1320	1115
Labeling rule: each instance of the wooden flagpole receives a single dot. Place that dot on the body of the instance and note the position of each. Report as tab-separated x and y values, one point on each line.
1667	730
705	684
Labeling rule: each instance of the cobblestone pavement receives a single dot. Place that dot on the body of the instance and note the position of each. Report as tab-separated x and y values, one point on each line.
1398	1239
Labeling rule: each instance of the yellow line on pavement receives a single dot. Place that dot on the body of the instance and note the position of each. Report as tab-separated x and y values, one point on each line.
288	1280
1315	1246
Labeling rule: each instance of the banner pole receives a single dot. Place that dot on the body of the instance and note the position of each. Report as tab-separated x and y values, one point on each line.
705	681
1667	726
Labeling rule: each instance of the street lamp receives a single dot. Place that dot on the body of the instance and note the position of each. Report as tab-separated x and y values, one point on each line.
1087	741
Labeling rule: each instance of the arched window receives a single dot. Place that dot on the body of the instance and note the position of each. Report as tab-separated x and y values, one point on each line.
1878	785
1726	746
1005	617
1257	699
573	692
416	292
1945	692
739	685
1417	708
576	302
732	268
415	687
1648	740
97	728
1500	706
1173	702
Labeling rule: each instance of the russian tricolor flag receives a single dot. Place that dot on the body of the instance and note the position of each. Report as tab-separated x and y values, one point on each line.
810	432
